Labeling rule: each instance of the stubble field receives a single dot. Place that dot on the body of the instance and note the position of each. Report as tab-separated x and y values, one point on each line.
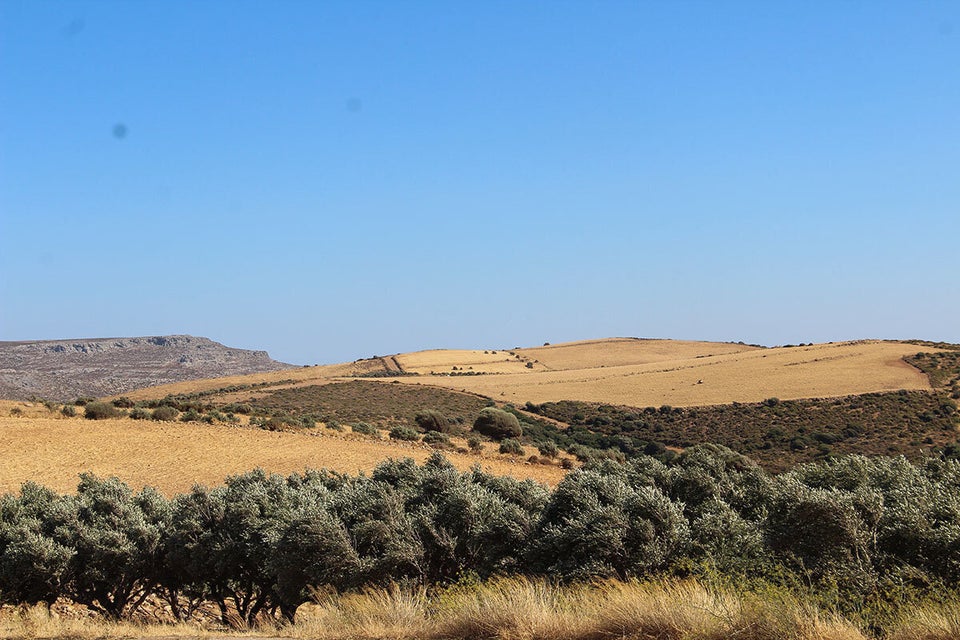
173	456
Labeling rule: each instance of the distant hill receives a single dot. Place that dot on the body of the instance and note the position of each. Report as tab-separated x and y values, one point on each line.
619	371
66	369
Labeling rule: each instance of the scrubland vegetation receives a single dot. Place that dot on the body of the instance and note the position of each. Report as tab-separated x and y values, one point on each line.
850	547
777	433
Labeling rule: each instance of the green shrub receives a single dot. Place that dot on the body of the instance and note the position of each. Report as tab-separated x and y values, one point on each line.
437	440
475	443
165	413
69	410
365	429
497	424
123	402
511	447
548	449
431	420
190	415
404	433
139	413
242	409
83	401
100	411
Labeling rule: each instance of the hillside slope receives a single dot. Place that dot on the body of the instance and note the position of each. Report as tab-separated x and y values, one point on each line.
657	372
622	371
65	369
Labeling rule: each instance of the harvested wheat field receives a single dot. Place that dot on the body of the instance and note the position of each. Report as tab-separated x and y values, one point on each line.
626	371
173	456
697	374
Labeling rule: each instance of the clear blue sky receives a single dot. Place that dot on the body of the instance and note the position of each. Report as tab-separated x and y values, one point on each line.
333	180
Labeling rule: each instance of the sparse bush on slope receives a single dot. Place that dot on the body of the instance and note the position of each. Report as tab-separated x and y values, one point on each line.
497	424
100	411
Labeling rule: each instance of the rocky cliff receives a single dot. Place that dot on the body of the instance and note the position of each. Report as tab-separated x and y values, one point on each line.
65	369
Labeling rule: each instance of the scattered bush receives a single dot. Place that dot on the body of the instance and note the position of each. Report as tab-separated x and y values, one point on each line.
165	414
100	411
404	433
475	444
437	440
139	413
365	429
190	415
123	402
431	420
497	424
68	410
548	449
511	447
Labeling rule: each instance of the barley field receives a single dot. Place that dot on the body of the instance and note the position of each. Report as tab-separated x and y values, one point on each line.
173	456
625	371
691	376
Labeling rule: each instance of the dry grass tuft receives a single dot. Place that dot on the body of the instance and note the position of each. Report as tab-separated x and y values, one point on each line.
386	613
929	622
530	609
536	609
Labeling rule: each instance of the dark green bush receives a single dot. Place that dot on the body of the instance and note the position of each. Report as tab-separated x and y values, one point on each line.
100	411
431	420
123	402
497	424
511	447
365	429
437	440
404	433
548	449
165	413
190	415
139	413
68	410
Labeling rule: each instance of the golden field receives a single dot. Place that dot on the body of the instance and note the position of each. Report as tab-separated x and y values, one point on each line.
695	374
173	456
626	371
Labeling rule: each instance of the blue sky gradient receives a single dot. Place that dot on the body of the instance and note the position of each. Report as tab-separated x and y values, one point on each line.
333	180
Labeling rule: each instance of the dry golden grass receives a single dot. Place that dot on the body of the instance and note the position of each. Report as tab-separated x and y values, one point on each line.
616	352
631	372
929	622
514	609
825	370
172	456
443	361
